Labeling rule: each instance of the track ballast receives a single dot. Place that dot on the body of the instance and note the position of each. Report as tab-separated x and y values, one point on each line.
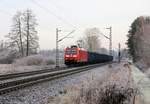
20	80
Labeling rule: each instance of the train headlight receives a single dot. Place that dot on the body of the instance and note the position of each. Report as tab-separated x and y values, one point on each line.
67	56
74	55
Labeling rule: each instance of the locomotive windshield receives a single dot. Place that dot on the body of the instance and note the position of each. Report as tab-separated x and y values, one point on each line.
71	51
74	46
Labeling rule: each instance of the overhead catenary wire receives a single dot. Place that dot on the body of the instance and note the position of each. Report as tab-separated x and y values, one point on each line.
66	36
58	7
104	35
52	13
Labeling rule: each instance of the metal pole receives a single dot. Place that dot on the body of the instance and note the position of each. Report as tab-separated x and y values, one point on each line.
110	44
110	39
57	49
57	45
119	53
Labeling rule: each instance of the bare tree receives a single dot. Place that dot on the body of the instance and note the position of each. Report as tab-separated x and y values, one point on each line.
1	45
30	32
15	37
23	36
81	43
92	41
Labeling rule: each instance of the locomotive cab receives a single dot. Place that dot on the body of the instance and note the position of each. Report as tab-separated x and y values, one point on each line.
70	55
74	55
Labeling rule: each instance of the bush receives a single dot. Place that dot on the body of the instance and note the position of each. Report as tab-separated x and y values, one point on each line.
108	94
7	56
49	62
33	60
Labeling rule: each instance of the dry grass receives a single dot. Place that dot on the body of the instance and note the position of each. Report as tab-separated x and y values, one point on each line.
114	87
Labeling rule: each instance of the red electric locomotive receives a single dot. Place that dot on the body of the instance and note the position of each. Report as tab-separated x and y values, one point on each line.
75	55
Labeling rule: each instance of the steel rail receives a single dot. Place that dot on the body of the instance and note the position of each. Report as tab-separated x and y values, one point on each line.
21	83
28	73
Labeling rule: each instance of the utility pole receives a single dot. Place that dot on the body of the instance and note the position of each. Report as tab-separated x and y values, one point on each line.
119	53
57	49
57	41
110	39
28	33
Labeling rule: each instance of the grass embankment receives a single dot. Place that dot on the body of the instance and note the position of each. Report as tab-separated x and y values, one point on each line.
113	87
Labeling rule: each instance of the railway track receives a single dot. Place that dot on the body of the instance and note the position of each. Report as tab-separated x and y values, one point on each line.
29	73
12	82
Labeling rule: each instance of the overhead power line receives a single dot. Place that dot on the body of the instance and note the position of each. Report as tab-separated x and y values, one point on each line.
66	36
54	14
59	8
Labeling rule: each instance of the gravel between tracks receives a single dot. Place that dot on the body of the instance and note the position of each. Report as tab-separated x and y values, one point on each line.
38	94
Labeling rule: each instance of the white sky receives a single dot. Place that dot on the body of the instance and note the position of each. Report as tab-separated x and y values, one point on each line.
80	13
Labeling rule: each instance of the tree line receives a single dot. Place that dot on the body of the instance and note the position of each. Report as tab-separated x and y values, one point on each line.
139	39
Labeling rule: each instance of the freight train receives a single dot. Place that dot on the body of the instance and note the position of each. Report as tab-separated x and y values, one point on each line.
78	56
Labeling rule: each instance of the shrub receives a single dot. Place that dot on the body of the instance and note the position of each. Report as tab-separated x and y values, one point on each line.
49	62
108	94
113	87
7	56
33	60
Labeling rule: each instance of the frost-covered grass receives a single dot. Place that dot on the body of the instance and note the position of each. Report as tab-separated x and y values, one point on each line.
115	87
148	72
6	68
30	63
11	68
11	63
34	60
